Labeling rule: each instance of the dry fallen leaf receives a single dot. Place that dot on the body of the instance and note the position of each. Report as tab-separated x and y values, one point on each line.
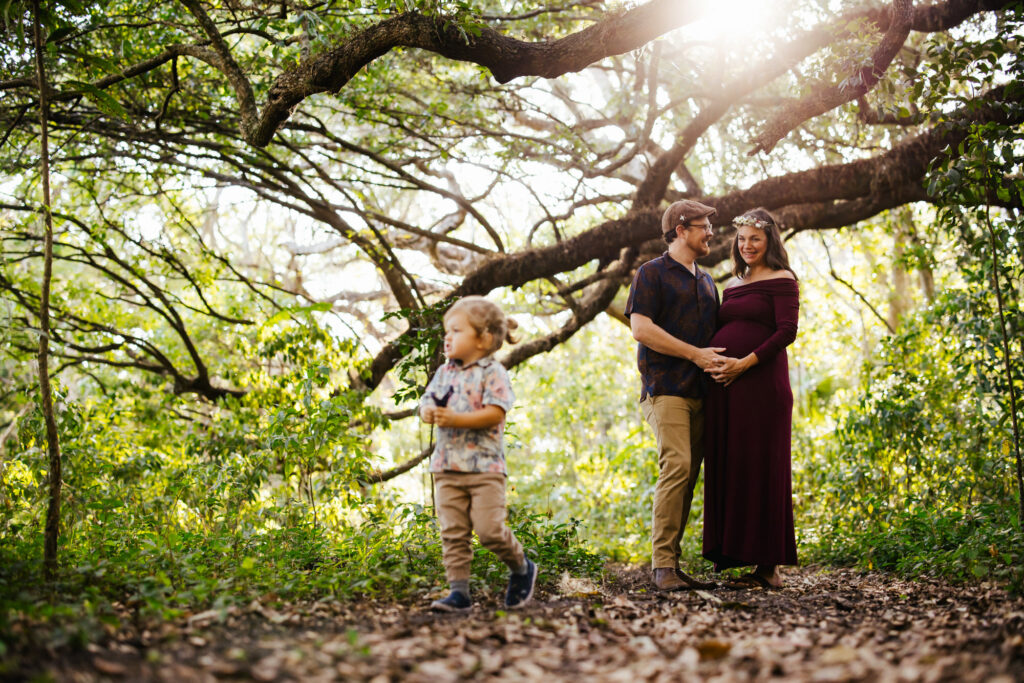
268	668
840	654
573	587
713	649
108	667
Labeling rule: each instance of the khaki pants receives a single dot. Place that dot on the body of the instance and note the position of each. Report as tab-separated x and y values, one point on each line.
678	425
468	502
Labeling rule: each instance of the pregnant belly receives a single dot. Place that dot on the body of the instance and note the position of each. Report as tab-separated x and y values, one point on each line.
740	337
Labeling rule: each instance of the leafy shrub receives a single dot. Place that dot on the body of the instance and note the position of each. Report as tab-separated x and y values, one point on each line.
924	541
919	475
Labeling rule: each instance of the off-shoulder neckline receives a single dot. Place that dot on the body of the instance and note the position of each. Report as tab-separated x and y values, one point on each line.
761	282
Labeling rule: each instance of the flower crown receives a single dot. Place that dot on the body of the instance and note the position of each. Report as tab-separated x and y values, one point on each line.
750	220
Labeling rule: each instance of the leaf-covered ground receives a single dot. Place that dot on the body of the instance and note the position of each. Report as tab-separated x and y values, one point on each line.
826	625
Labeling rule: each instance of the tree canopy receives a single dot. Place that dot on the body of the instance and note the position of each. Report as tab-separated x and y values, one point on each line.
389	132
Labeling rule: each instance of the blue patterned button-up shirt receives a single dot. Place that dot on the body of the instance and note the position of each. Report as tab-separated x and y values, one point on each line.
685	306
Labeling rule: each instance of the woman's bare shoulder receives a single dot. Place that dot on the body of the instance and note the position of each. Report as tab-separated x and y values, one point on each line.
733	282
781	275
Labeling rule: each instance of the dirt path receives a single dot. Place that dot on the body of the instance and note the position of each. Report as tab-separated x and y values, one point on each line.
836	625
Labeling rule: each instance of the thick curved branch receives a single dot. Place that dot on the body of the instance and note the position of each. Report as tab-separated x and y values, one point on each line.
827	97
506	58
379	477
940	16
907	161
229	67
851	192
786	56
931	18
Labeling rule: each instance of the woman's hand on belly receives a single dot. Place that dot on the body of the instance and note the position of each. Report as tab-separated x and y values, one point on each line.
727	370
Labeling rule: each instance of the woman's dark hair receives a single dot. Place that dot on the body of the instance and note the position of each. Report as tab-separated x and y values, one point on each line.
775	256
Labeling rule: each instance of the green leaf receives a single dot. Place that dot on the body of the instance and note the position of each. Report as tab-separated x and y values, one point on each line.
94	60
106	103
321	307
6	6
60	33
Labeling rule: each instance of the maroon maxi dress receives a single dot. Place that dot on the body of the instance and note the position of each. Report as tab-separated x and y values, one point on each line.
748	503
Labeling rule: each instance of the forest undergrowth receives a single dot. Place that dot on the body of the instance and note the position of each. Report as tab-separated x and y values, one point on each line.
825	625
159	580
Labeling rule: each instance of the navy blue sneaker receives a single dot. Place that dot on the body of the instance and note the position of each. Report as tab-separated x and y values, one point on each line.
520	586
455	602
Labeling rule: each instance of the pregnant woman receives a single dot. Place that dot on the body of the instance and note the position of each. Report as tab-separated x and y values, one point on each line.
748	506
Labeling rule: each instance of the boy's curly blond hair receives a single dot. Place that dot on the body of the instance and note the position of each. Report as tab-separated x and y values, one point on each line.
486	316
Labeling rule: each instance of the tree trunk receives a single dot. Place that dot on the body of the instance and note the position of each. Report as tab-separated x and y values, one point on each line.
899	297
1009	368
45	396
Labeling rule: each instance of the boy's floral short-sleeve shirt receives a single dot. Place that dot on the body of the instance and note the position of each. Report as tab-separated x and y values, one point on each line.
479	384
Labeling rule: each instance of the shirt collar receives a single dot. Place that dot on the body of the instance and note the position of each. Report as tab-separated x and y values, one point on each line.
672	263
482	362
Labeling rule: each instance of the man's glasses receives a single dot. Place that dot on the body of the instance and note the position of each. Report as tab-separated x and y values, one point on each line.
707	227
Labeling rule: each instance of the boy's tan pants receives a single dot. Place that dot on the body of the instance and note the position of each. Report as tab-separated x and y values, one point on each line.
468	502
678	425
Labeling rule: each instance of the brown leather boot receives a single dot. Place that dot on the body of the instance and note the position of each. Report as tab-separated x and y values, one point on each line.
665	579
